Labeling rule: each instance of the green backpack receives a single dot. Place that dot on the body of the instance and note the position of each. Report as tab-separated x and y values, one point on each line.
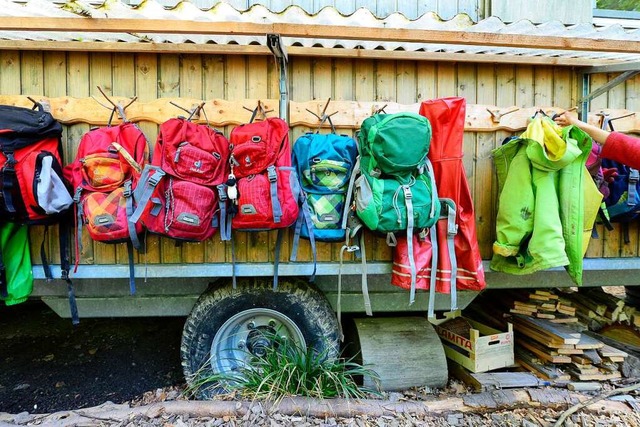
395	190
16	277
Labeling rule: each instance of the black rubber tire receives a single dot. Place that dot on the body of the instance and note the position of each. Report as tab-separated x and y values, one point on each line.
294	298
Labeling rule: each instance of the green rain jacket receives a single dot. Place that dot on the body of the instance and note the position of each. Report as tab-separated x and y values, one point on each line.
541	205
14	246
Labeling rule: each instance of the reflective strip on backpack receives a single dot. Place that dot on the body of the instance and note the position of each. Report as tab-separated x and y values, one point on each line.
347	202
7	183
434	188
225	223
452	230
433	234
632	191
412	263
365	284
128	196
275	203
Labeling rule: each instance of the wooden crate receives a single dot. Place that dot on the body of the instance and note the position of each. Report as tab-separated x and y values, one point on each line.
484	350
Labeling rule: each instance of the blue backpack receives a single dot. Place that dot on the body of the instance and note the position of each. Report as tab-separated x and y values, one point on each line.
623	200
324	163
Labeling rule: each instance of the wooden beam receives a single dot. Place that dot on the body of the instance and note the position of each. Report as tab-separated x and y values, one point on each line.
162	26
348	114
322	52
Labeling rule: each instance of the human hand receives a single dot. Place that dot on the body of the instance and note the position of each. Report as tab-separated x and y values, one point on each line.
566	118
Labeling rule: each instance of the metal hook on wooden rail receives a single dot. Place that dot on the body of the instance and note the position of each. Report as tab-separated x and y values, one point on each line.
379	110
324	117
194	112
117	108
260	109
43	104
605	120
497	114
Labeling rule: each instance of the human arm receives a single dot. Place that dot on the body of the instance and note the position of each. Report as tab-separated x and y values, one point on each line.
598	135
615	145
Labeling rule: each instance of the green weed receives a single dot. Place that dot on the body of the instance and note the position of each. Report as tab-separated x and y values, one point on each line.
287	369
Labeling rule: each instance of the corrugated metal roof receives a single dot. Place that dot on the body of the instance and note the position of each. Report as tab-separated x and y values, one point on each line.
223	12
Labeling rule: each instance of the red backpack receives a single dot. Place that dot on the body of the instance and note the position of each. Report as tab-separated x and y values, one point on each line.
181	193
266	182
104	174
32	187
32	190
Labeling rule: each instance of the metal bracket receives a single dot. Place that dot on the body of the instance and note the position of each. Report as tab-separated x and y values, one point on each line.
275	45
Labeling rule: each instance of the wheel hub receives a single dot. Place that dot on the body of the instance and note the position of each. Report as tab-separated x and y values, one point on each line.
247	334
258	340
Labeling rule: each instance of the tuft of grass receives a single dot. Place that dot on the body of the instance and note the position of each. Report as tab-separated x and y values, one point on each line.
287	369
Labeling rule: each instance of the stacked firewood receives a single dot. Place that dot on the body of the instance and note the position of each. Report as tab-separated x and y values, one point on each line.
550	332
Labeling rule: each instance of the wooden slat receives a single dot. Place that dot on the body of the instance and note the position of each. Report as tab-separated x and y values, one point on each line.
483	166
256	86
293	51
385	93
140	73
190	86
55	84
100	75
162	26
236	88
77	84
323	89
426	81
168	85
213	76
364	90
302	84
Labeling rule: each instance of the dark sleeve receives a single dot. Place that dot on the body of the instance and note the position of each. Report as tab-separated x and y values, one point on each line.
622	148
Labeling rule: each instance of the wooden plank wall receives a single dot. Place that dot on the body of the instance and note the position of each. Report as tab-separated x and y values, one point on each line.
151	76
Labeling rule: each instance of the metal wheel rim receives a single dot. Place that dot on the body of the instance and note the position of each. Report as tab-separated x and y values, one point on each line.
230	346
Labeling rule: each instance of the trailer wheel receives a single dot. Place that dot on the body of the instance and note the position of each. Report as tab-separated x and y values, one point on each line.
224	326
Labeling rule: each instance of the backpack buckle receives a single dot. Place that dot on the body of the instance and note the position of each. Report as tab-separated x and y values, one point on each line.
391	240
407	192
10	159
452	227
222	192
77	194
156	177
271	174
127	189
